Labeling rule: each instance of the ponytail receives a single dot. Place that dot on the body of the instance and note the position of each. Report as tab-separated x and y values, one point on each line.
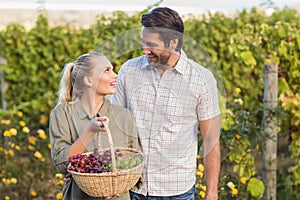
66	84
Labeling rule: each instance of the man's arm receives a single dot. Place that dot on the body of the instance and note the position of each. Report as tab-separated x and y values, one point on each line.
210	131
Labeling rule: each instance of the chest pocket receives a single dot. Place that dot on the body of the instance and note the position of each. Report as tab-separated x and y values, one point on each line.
175	105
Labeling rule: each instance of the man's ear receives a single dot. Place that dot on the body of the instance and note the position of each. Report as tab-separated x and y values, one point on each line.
88	81
174	43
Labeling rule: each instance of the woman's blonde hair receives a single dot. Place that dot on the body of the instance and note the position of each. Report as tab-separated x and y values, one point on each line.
72	81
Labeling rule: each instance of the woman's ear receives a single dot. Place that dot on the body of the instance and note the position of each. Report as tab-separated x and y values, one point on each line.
88	81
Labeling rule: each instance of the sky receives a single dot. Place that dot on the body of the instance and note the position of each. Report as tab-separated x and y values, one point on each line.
182	6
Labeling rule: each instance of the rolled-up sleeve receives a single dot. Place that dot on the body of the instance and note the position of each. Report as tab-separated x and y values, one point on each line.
208	102
60	139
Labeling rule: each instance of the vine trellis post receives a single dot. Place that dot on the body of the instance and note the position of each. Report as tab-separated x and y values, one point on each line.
270	128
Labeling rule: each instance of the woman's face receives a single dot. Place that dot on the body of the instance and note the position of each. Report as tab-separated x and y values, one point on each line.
104	76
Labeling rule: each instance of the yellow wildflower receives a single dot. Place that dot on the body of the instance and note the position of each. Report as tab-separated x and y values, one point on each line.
43	135
30	147
25	129
234	191
13	131
22	123
40	131
59	182
6	181
237	136
18	147
6	198
243	180
5	122
237	90
200	174
201	168
58	176
3	180
59	196
33	193
43	119
38	155
238	101
197	185
11	152
13	180
20	114
203	187
197	156
7	134
202	194
31	139
230	185
49	145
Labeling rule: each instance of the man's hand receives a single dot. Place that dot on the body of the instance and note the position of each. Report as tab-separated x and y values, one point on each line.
67	178
117	195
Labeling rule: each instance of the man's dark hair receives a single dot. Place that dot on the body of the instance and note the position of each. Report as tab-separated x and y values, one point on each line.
167	23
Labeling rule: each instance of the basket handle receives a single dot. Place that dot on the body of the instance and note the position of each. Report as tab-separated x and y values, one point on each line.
111	144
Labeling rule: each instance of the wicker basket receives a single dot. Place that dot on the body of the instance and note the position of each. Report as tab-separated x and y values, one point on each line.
107	184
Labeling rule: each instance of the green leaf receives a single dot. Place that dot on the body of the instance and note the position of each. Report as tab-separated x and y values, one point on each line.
248	58
255	187
283	86
298	39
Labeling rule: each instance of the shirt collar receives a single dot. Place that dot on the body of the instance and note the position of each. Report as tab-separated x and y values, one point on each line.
82	112
182	62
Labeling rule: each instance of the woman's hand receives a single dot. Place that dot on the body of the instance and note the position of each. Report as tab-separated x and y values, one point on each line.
80	145
96	124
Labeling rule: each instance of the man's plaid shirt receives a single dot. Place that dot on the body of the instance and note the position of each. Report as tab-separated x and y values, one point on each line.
167	110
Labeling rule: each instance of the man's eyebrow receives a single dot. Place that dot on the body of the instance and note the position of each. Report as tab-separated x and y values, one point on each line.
150	43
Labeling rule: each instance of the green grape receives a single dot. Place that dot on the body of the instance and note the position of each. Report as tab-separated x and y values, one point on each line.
127	162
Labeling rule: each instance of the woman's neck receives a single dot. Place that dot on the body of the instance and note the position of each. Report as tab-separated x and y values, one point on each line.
92	105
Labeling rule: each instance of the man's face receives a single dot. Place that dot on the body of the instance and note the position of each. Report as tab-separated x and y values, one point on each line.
154	47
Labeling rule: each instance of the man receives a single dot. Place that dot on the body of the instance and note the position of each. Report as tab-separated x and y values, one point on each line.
170	97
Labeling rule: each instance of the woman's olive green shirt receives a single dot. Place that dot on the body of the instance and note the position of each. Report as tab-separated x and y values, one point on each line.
67	123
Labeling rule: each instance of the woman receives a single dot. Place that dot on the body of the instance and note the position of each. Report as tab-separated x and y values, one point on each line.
76	120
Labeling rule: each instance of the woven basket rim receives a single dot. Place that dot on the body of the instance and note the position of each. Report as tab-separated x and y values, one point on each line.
121	148
115	173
